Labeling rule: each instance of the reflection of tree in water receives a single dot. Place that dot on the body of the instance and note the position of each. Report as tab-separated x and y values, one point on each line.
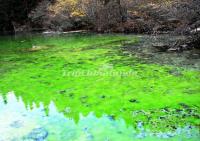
30	122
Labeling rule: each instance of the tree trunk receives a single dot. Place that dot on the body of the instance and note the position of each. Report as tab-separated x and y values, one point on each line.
109	15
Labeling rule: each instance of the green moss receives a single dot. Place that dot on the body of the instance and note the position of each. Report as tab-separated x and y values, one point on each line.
110	81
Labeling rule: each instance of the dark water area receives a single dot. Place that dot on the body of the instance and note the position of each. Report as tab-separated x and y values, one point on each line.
145	50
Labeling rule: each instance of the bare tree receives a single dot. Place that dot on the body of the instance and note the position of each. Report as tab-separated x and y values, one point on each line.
105	14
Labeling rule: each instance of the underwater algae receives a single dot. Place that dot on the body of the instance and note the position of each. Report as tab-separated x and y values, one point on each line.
83	73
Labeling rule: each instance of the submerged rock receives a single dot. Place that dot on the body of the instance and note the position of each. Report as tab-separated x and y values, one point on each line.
133	100
102	96
184	105
111	117
165	135
38	134
161	46
62	91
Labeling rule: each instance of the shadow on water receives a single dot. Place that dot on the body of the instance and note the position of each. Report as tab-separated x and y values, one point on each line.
19	121
145	49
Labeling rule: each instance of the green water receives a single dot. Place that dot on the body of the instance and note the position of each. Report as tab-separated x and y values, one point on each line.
89	74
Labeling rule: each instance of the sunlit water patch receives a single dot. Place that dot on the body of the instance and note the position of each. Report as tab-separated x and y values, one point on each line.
22	123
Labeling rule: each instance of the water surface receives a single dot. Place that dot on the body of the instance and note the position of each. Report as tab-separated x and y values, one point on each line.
90	87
